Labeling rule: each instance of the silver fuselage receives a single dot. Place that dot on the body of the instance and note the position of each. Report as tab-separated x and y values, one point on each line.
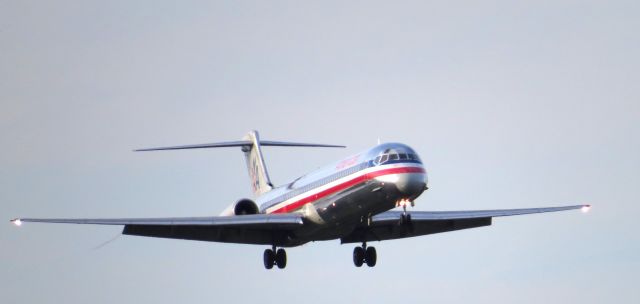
337	198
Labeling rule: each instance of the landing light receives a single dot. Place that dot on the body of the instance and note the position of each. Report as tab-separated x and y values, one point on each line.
403	203
17	222
586	208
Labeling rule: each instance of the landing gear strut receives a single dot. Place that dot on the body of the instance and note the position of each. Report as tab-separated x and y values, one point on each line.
405	219
365	254
274	257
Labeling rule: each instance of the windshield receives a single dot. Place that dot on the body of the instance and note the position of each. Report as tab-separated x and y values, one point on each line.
396	155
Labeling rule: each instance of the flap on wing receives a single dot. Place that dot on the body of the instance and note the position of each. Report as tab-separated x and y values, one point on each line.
389	230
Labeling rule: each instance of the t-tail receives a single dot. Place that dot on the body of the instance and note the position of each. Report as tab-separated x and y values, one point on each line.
251	145
260	181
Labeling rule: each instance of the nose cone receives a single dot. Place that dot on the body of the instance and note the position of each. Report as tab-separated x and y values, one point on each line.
412	184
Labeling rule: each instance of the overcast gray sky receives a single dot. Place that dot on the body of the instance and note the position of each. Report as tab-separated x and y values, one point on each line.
510	104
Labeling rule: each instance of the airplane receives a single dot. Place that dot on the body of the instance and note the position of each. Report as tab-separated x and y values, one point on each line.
349	200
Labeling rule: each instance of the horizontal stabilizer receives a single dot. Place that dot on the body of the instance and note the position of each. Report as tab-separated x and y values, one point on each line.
241	143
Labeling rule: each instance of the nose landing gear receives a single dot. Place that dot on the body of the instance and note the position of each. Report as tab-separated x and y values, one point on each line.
405	219
365	254
274	257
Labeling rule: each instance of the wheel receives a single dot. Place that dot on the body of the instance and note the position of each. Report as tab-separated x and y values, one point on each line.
268	258
409	223
371	256
358	256
281	258
403	220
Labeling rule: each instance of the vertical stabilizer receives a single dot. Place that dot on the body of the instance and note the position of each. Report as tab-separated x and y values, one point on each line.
260	182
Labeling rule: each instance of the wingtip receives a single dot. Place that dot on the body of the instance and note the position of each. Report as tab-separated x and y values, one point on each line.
17	222
585	208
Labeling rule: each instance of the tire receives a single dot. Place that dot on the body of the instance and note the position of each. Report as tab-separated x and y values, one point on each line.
281	258
409	224
268	258
358	256
371	256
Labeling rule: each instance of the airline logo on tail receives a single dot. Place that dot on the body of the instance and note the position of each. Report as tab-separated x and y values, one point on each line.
253	174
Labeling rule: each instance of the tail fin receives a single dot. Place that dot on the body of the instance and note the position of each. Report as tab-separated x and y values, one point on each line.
251	145
260	182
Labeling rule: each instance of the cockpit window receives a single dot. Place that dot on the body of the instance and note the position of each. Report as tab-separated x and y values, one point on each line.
381	159
396	154
413	156
384	158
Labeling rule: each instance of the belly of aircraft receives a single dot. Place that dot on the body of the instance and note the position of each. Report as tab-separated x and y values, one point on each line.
342	212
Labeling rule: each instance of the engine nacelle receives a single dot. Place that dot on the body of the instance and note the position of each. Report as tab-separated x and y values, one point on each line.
242	207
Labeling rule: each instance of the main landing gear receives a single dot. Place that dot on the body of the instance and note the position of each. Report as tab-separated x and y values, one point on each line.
275	257
364	254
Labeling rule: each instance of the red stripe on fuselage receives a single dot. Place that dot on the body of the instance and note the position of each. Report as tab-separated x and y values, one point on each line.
350	183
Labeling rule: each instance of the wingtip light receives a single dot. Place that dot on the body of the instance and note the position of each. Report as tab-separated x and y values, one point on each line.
17	222
586	208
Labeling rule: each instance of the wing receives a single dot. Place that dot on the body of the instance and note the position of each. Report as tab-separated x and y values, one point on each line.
244	229
390	225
